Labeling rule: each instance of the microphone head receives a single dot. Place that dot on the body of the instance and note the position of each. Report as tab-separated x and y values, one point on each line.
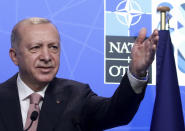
34	115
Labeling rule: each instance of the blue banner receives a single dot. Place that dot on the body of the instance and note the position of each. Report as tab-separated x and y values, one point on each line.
167	115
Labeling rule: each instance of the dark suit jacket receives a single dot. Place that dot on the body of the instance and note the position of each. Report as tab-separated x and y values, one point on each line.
70	106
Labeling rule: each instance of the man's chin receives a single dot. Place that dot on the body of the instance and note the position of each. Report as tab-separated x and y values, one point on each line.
45	79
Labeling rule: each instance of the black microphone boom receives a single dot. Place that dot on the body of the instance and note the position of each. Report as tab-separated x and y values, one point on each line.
33	117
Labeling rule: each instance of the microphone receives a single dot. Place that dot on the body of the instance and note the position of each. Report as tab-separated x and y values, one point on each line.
33	117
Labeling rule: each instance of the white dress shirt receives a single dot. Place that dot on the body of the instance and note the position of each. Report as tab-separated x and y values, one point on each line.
24	92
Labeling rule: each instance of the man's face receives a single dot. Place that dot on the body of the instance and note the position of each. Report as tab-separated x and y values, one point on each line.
38	53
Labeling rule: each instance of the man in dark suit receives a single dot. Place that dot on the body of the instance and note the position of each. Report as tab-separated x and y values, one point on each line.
66	105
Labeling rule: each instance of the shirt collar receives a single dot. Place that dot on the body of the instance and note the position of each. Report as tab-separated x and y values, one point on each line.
24	91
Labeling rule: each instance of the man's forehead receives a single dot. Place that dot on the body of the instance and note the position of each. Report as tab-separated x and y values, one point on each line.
35	33
26	28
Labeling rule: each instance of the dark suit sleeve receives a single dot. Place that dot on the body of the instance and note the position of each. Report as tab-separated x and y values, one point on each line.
103	113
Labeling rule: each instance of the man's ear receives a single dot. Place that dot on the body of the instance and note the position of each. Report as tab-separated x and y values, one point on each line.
13	55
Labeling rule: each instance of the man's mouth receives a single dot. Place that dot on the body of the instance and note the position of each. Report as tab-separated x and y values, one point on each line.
45	69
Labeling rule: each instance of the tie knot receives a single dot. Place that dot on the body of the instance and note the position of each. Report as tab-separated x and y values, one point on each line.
35	98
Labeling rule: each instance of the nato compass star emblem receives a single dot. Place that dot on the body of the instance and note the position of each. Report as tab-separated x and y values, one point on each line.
128	12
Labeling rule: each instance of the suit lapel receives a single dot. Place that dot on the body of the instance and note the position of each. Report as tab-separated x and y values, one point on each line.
52	107
10	109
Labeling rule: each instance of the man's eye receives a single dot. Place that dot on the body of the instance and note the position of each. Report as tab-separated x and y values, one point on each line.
54	48
34	48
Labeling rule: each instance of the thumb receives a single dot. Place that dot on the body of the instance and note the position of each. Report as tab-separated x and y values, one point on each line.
141	36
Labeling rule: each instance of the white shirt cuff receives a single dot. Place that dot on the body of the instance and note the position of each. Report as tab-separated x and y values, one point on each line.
137	84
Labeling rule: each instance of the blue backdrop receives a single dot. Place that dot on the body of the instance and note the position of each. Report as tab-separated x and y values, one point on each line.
81	26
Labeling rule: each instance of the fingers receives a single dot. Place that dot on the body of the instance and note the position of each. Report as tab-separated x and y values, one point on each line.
153	40
143	53
141	36
151	45
154	37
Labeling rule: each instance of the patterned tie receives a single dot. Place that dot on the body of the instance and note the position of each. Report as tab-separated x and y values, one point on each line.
34	106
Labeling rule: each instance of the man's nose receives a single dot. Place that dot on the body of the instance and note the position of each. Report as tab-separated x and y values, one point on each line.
45	55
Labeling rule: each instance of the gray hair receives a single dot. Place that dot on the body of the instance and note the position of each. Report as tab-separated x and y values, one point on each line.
15	36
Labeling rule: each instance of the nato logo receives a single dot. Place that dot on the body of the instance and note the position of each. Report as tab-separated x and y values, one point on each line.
123	20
